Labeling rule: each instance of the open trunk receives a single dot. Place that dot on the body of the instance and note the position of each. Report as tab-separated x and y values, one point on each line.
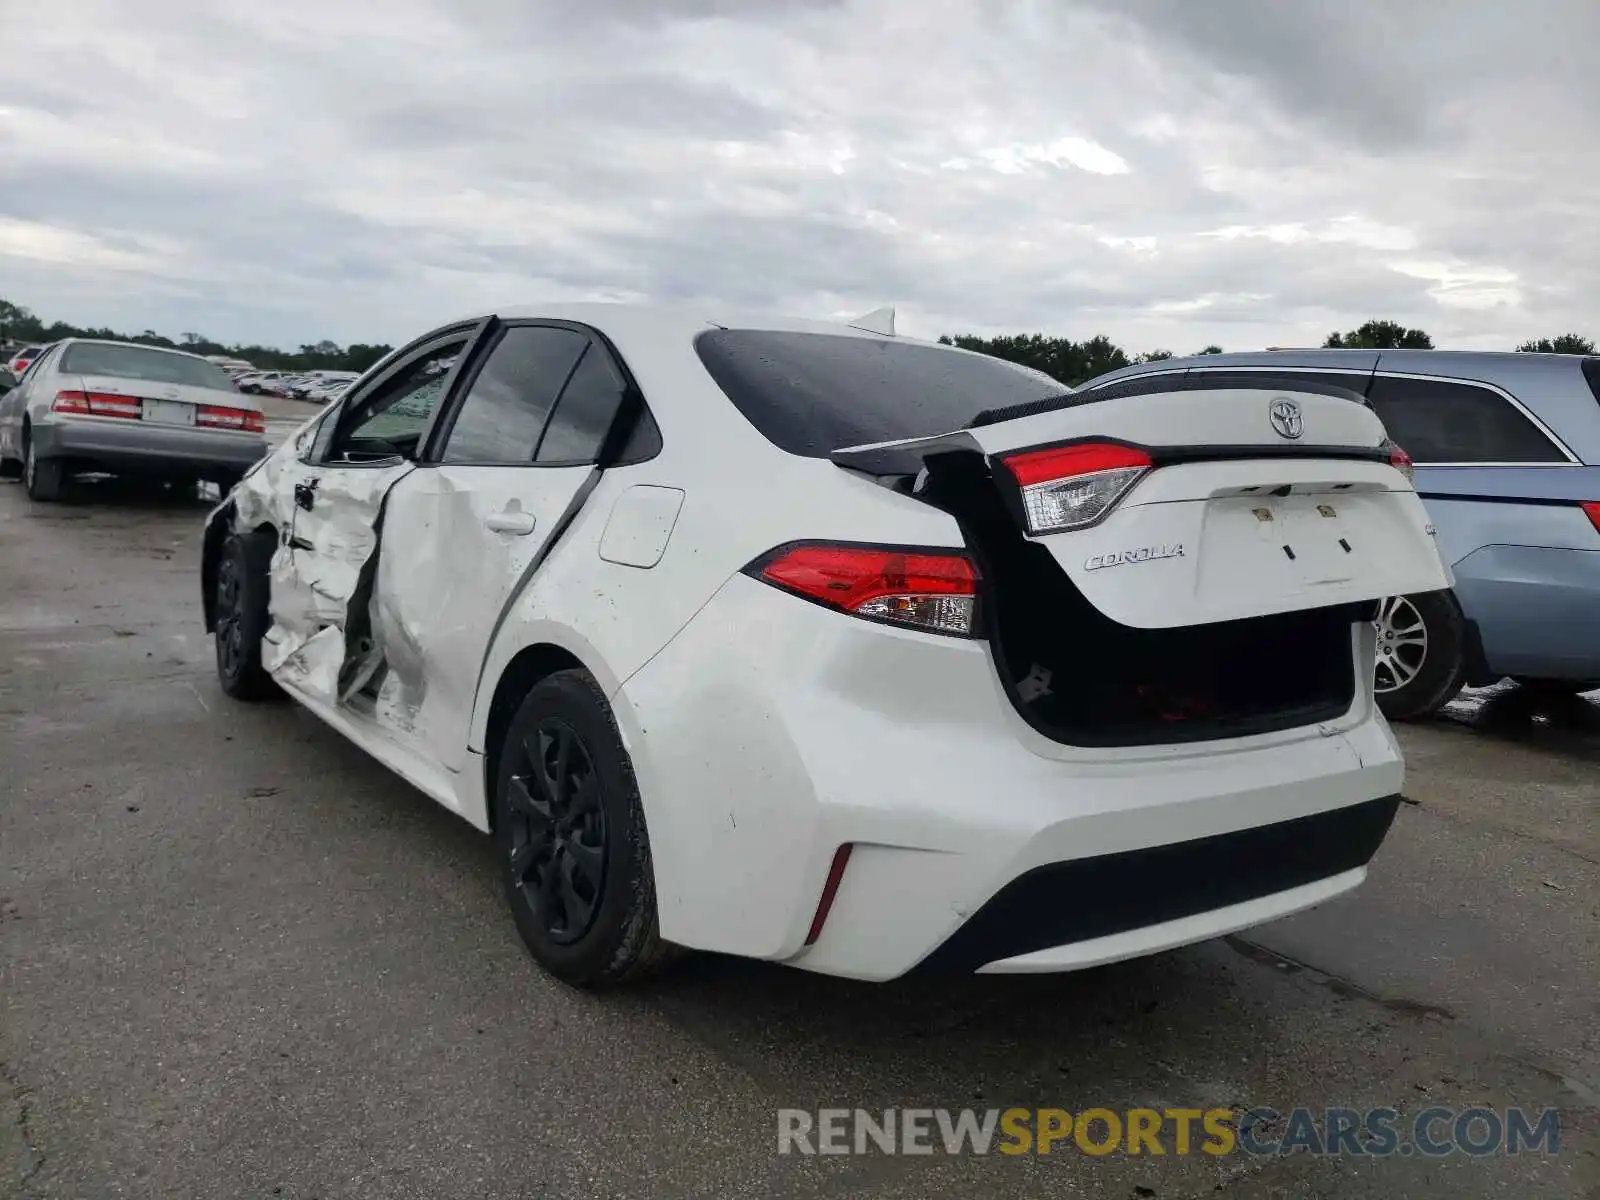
1217	591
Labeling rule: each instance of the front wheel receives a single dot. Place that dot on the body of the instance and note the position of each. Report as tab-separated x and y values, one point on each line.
1421	664
571	837
241	616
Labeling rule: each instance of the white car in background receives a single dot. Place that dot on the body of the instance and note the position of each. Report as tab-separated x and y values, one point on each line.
815	644
126	409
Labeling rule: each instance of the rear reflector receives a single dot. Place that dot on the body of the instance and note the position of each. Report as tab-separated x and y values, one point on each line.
214	416
830	889
98	404
1073	487
928	590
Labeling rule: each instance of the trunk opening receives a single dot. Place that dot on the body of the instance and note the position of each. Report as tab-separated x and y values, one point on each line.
1083	679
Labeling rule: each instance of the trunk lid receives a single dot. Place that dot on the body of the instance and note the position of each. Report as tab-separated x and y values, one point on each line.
1254	501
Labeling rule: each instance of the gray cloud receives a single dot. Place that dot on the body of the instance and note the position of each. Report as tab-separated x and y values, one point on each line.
1170	173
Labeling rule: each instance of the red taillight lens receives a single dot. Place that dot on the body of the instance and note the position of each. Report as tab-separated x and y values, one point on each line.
1071	487
248	420
98	404
927	590
1400	460
21	365
1591	509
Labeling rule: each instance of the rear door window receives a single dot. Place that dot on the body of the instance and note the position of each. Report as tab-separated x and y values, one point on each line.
1441	421
813	393
505	410
585	412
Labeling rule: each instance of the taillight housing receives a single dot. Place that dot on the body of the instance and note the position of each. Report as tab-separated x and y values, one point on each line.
1074	486
98	404
1400	460
216	416
935	591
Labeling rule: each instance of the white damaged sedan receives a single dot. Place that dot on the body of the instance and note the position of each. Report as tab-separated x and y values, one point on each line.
816	644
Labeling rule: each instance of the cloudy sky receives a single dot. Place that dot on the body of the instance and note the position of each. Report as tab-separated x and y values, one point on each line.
1170	172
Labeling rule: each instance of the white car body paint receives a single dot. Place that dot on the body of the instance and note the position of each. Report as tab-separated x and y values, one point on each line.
766	731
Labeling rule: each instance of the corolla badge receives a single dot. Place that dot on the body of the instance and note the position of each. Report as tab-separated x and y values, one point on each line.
1286	417
1121	558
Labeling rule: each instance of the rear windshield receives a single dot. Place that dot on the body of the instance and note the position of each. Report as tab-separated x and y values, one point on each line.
137	362
813	393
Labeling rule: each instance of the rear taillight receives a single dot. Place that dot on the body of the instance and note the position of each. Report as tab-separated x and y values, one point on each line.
98	404
1591	509
1400	461
248	420
919	589
1072	487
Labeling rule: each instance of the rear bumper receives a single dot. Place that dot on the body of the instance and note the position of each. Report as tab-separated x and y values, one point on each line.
1537	609
770	732
121	445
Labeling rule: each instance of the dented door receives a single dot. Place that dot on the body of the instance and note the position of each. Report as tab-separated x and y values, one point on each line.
327	503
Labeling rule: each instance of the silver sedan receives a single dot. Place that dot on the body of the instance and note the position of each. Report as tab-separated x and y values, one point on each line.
87	405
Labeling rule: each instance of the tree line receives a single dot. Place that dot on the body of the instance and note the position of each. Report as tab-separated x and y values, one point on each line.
1075	362
18	324
1067	360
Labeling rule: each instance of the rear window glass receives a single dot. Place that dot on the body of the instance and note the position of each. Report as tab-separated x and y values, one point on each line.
813	393
137	362
1591	372
1436	421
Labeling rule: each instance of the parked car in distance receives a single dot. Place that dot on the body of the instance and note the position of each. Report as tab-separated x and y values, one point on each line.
814	644
86	404
19	361
258	382
1505	450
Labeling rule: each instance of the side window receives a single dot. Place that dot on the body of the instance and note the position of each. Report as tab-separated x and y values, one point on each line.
389	421
505	409
1449	422
584	414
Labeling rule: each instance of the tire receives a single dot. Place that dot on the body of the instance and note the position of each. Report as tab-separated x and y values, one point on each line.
1418	674
44	478
584	827
241	617
1556	687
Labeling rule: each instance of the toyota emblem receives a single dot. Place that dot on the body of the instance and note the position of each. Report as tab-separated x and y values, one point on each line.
1286	417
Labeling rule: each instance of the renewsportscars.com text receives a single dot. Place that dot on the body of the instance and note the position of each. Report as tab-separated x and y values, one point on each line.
1373	1132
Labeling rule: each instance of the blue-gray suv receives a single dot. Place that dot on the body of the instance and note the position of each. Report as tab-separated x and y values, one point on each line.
1504	450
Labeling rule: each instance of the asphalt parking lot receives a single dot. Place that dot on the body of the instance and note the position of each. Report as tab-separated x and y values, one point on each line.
237	958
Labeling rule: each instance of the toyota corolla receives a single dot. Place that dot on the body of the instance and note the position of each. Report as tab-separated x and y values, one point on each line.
821	645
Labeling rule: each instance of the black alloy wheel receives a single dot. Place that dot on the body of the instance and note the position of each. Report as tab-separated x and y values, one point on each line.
557	830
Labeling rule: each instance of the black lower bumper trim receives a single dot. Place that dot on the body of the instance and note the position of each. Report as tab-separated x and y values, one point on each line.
1065	902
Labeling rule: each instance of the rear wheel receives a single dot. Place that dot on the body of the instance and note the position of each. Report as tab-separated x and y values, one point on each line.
242	618
44	478
571	837
1421	665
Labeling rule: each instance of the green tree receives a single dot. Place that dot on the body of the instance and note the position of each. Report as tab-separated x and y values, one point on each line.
1212	349
1380	335
1153	356
1069	361
1567	343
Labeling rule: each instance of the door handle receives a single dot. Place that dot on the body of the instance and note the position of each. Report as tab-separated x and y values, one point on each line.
511	520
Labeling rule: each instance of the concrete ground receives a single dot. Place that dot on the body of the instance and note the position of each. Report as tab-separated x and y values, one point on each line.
239	959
